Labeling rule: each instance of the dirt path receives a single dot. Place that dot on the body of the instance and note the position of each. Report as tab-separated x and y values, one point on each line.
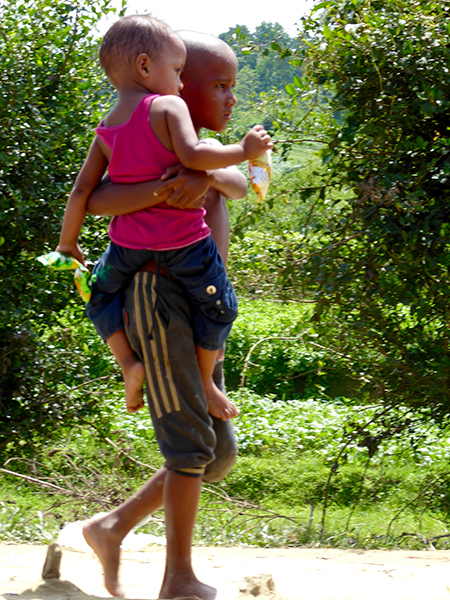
299	574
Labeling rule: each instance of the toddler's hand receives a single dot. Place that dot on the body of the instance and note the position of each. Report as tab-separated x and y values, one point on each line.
72	250
256	142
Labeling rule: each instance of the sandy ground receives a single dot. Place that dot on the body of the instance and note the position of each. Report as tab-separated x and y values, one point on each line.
299	574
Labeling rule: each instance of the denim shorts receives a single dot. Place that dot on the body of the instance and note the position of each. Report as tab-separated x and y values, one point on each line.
199	269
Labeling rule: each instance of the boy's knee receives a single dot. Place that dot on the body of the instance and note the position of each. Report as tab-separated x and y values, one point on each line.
225	452
219	469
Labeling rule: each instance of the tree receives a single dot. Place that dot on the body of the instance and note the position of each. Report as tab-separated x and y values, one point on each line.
380	271
271	70
51	99
267	41
237	37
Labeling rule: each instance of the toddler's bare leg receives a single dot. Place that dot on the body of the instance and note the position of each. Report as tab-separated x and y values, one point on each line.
181	494
218	404
104	533
133	370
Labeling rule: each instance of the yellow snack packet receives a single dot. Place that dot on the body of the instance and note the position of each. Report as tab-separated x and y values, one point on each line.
260	171
65	262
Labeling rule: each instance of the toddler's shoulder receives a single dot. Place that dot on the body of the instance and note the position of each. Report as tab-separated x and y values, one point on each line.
169	103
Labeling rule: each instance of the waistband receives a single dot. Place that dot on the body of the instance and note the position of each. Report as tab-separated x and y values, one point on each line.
151	266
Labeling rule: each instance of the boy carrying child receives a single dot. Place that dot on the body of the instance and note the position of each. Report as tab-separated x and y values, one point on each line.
203	448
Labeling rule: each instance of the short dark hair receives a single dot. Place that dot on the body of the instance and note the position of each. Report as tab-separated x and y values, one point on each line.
130	36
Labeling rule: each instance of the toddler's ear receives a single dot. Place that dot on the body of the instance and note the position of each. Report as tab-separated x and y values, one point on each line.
143	64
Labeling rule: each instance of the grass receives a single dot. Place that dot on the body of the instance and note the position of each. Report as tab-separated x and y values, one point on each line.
312	469
275	495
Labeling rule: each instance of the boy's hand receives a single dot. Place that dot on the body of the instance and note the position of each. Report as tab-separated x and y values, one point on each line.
256	142
72	250
187	188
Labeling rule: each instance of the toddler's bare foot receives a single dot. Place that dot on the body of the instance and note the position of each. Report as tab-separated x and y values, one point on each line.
218	404
183	585
106	546
134	377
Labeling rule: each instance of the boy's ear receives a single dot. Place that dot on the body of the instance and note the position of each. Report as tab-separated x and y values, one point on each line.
143	64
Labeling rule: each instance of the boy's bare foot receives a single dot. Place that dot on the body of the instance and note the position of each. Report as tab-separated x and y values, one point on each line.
218	404
106	546
134	377
186	586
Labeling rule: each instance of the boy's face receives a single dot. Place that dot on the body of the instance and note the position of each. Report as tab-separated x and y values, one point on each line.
208	90
165	73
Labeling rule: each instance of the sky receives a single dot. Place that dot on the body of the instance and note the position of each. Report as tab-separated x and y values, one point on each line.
217	17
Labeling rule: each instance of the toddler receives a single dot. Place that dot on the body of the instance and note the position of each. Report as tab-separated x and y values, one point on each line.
149	130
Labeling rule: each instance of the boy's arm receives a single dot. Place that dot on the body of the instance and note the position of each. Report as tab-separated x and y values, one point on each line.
114	199
182	188
218	221
196	155
88	179
230	182
188	185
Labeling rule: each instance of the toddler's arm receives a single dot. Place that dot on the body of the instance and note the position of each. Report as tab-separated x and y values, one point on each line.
230	182
114	199
171	112
88	179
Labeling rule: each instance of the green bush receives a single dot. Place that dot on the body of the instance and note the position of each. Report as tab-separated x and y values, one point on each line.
380	268
51	98
273	349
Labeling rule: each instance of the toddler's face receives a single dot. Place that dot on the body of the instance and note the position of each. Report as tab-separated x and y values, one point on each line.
167	68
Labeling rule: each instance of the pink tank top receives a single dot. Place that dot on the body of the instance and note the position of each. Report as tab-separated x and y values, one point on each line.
138	155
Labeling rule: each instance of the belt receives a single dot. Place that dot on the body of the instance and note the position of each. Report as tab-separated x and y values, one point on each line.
151	266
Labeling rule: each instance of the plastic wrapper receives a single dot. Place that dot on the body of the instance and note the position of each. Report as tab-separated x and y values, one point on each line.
64	262
260	171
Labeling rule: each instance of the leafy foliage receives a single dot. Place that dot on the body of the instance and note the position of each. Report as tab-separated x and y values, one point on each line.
362	238
269	68
273	349
291	459
261	69
375	74
51	97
